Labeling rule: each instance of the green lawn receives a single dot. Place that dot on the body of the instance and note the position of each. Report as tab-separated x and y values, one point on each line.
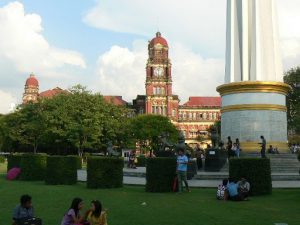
124	205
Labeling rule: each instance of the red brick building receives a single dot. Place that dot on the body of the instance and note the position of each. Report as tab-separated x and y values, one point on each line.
194	117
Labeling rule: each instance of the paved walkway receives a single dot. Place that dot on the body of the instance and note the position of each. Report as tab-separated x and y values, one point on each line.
81	174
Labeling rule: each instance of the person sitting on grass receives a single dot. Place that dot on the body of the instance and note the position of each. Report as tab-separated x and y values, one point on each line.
244	188
96	215
222	192
72	217
24	211
233	193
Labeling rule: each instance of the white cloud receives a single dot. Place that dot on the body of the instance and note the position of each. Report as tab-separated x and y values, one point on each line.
199	25
122	72
7	102
291	52
24	46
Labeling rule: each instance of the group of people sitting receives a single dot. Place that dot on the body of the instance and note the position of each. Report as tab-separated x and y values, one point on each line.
24	213
232	190
272	150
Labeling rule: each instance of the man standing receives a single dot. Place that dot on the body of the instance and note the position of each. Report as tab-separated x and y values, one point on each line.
182	162
229	147
263	147
199	156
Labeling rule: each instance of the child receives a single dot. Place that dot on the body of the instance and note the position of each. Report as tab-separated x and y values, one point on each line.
222	190
72	217
96	216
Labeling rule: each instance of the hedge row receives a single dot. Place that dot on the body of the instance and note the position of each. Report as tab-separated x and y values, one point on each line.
141	161
33	167
2	159
62	169
160	173
103	172
13	160
256	170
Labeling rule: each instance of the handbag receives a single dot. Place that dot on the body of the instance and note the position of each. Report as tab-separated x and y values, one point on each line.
175	184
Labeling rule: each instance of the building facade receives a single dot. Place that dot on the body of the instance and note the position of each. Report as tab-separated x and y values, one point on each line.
193	118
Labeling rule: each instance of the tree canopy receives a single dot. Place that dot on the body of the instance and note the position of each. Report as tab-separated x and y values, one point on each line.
146	129
292	77
74	121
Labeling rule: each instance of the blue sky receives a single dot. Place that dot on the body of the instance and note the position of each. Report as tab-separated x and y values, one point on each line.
103	44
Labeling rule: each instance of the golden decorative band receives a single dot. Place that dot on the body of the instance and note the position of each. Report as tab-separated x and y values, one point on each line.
256	147
244	107
254	86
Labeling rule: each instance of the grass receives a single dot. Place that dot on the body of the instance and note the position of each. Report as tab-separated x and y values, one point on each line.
124	205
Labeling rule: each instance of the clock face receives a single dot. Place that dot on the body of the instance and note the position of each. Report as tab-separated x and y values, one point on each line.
158	71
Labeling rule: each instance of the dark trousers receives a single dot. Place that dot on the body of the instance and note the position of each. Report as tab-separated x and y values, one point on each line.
199	163
263	153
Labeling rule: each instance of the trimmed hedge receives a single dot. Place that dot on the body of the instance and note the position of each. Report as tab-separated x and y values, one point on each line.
2	159
256	170
160	173
13	160
141	161
104	172
61	170
33	167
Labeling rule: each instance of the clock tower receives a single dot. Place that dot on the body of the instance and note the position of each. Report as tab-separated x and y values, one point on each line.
159	97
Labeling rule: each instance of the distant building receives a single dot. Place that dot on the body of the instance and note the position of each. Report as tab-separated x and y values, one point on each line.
31	90
194	117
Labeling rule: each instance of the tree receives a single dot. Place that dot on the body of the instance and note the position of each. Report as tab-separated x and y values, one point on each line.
292	77
26	126
146	130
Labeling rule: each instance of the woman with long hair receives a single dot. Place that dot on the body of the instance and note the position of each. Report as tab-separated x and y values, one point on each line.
72	217
96	215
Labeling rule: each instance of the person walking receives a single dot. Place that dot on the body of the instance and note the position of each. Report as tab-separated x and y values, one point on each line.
182	162
263	147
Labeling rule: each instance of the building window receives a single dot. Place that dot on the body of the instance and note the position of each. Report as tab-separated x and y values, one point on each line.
201	116
164	110
190	115
174	112
194	116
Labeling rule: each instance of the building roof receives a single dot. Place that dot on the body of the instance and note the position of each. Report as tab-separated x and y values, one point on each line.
51	93
203	102
32	81
159	40
116	100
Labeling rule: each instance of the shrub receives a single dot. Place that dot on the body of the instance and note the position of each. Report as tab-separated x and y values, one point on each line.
160	173
13	160
61	170
256	170
299	156
33	166
104	172
2	159
141	161
79	161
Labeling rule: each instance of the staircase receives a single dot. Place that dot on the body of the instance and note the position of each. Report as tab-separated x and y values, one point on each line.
284	167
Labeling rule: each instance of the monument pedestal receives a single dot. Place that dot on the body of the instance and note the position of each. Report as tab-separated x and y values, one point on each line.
254	108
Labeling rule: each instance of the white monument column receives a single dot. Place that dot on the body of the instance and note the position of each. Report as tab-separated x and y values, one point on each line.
253	96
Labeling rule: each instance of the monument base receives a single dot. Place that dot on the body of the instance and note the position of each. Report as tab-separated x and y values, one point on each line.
254	109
